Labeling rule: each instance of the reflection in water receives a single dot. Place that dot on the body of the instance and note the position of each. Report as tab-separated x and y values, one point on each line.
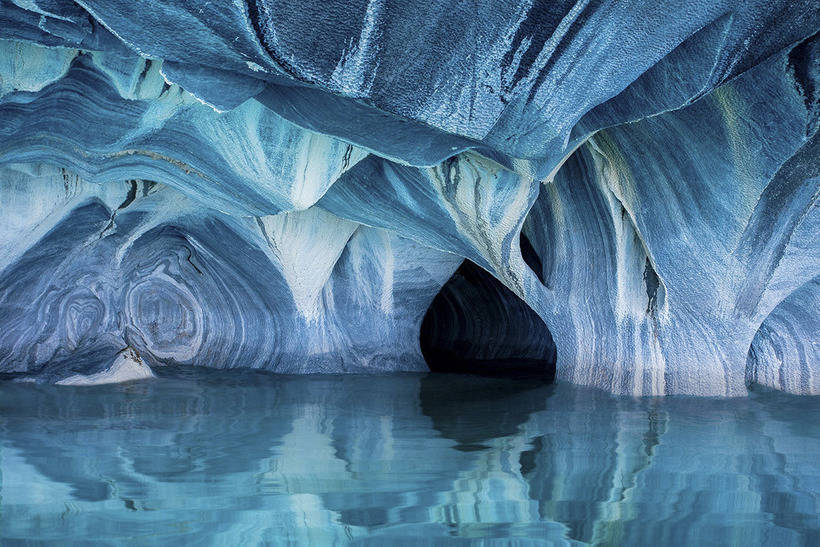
241	458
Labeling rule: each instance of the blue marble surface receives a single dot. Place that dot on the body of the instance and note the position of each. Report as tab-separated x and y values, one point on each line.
287	186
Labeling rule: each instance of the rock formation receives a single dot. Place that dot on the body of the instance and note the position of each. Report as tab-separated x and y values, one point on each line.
288	186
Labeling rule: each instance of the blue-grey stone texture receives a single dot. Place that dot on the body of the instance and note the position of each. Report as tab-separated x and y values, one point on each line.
288	185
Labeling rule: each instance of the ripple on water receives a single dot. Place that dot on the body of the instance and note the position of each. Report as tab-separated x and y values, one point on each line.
212	457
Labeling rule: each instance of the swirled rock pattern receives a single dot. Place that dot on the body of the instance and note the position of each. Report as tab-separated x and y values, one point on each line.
297	292
288	186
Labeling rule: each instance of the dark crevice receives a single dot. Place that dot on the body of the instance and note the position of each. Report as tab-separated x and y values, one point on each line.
801	62
651	282
531	257
190	255
132	195
476	325
146	67
129	199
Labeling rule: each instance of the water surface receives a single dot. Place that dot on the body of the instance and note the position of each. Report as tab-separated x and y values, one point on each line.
206	457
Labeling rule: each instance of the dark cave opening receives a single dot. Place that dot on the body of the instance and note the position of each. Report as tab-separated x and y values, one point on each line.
476	325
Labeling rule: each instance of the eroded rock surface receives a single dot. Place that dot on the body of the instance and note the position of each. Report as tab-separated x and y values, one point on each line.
289	186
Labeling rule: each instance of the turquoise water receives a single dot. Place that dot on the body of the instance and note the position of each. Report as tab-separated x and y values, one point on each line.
245	458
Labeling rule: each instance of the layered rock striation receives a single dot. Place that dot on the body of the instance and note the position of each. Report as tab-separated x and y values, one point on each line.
290	186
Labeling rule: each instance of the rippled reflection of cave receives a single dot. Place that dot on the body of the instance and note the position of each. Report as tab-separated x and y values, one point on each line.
476	325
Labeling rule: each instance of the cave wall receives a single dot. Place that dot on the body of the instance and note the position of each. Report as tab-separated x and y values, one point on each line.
139	264
289	186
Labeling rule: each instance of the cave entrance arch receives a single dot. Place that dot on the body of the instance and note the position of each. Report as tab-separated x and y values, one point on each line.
476	325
